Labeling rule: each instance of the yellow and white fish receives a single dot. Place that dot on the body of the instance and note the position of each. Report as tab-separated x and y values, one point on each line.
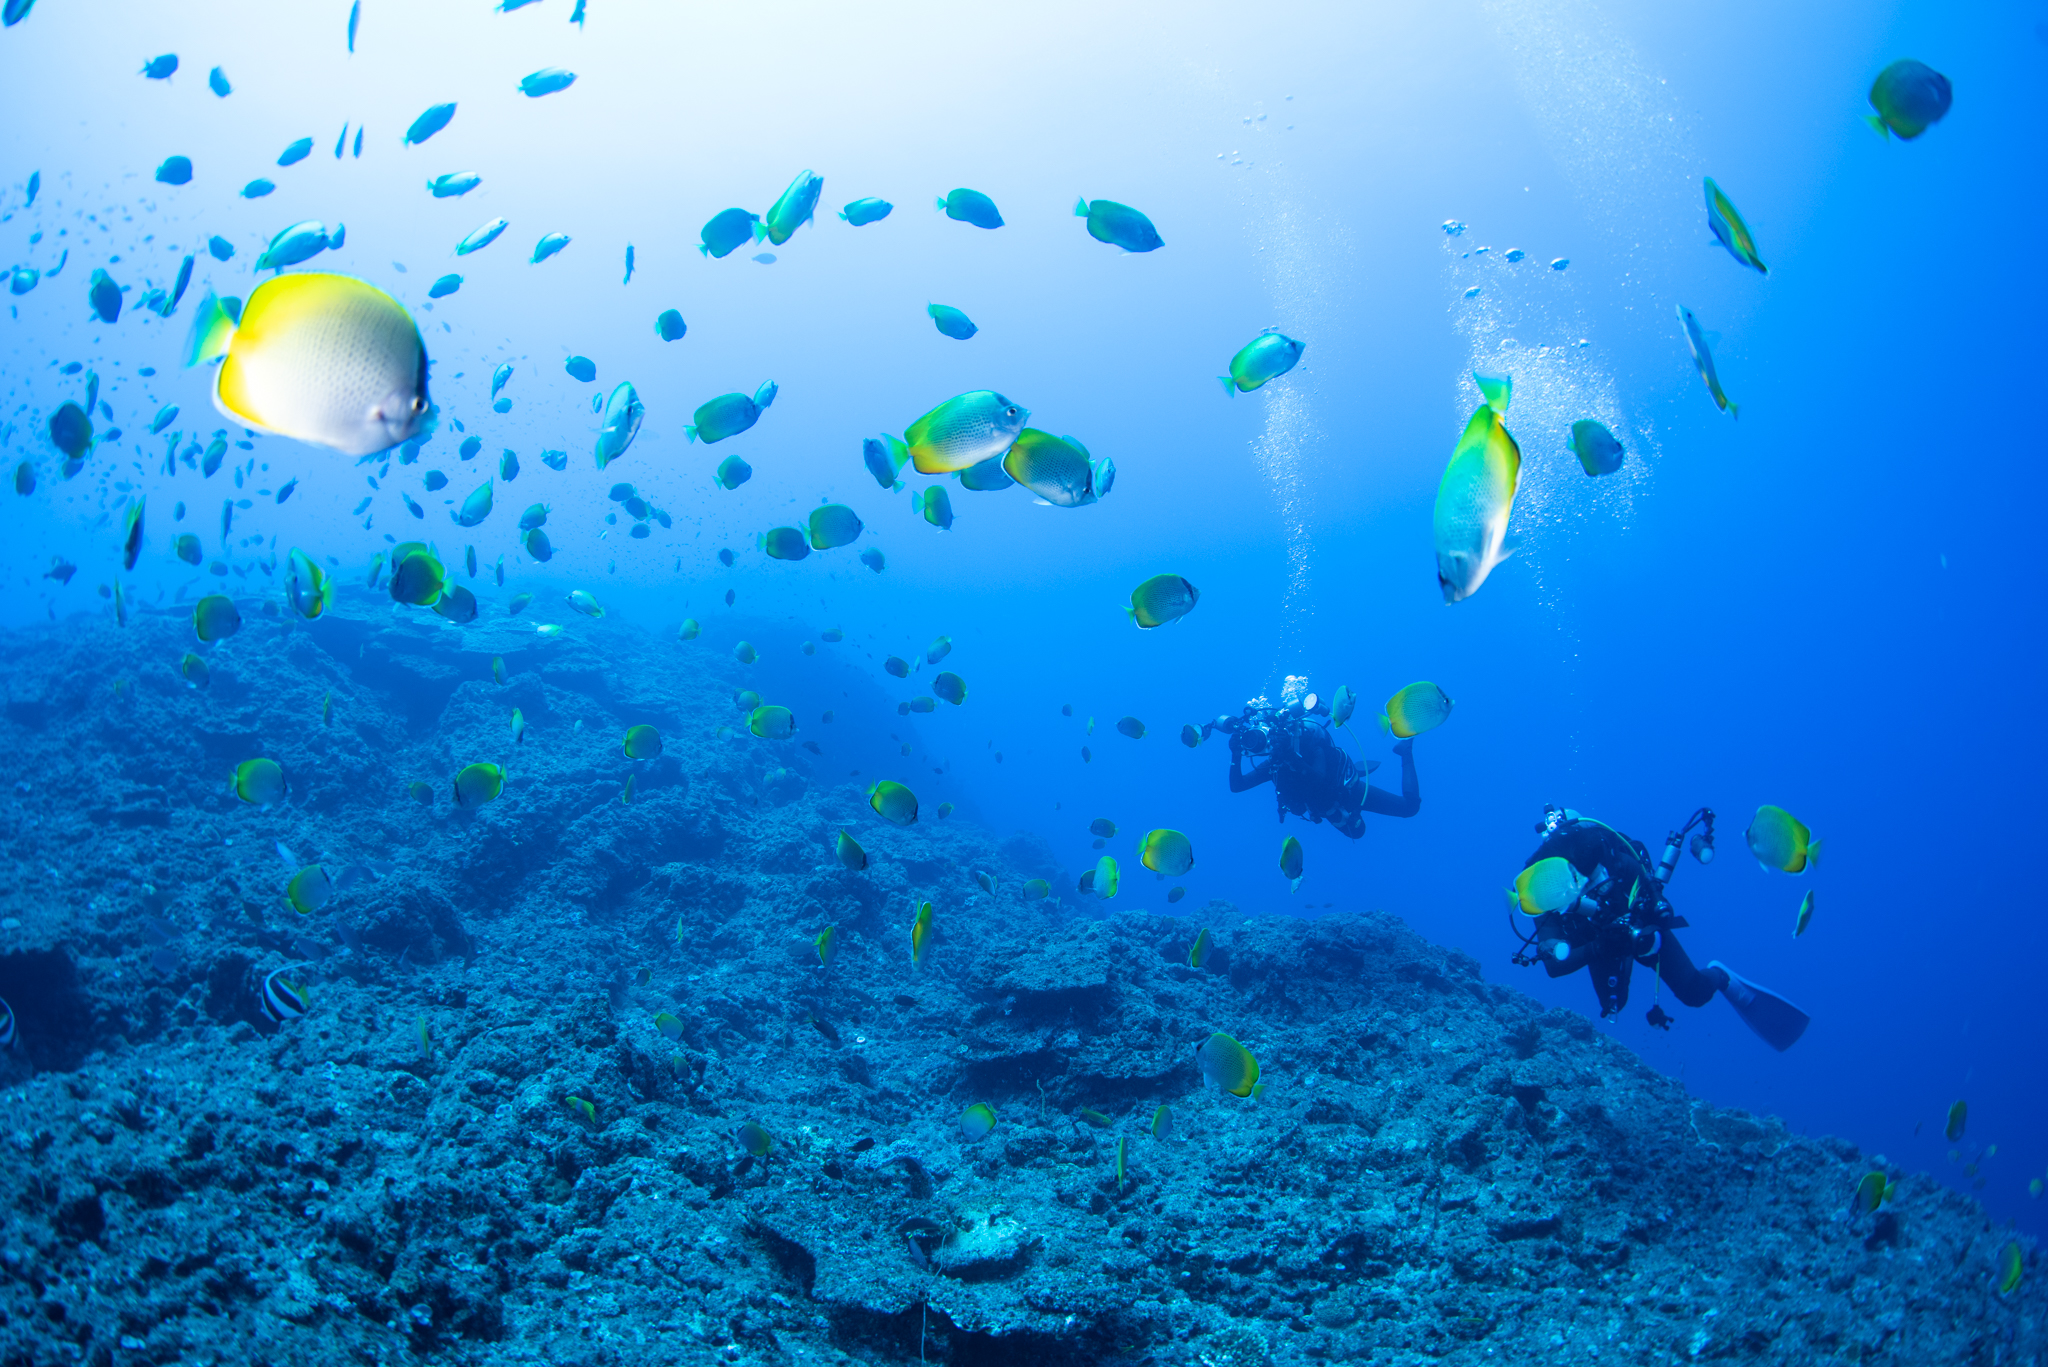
1475	498
326	359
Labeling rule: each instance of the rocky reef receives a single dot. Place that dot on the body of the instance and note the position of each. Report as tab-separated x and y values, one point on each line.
1436	1168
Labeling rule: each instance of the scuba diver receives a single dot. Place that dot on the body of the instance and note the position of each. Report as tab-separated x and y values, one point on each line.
1311	774
1599	904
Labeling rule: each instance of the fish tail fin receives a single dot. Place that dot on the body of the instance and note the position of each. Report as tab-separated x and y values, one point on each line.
1813	855
1386	724
942	204
1294	885
704	249
1734	409
212	328
843	218
1081	207
690	433
1878	126
1229	386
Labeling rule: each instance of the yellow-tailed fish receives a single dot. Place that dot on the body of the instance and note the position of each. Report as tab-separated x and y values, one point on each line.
1130	726
1057	469
456	603
1598	452
1548	885
214	617
1107	877
309	890
1166	851
920	934
2009	1268
1198	952
945	808
518	726
1036	888
626	793
1908	96
964	430
690	630
1161	599
1227	1064
305	585
832	526
1731	231
1703	358
1870	1193
1805	914
1781	841
977	1120
642	742
1290	863
498	669
949	687
745	653
772	722
1175	893
327	709
893	802
584	603
1190	737
1121	1142
757	1142
823	944
1417	708
282	999
1265	357
1958	1121
420	793
1473	502
1102	827
478	784
1162	1123
194	671
850	853
417	576
670	1027
259	781
938	650
322	358
987	881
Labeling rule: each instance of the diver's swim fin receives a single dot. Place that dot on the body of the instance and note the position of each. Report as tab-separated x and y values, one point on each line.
1776	1021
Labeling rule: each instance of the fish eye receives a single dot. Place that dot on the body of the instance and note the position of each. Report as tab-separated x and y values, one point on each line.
419	405
1011	411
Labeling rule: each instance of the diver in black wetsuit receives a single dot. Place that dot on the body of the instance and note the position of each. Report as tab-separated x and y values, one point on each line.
1620	918
1311	774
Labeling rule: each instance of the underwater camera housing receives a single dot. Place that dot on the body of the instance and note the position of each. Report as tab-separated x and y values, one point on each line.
1702	844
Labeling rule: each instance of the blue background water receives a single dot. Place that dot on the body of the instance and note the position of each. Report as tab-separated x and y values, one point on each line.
1831	604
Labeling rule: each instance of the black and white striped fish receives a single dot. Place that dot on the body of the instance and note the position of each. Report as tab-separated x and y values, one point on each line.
283	1000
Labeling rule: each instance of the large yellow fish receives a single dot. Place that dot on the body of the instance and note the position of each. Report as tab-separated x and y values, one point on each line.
326	359
1474	500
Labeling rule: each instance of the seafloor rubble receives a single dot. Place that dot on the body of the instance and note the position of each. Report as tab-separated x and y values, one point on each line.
1437	1169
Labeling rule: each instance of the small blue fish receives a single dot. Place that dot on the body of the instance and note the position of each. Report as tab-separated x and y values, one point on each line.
104	296
727	231
444	287
576	15
669	325
482	237
1703	358
548	246
581	368
300	242
429	123
355	17
23	279
357	153
35	183
341	143
455	183
951	321
160	68
971	206
296	153
219	247
862	212
258	188
500	377
175	171
546	81
217	82
629	265
765	258
470	446
165	416
436	481
728	415
874	559
1119	225
503	405
178	289
792	210
286	491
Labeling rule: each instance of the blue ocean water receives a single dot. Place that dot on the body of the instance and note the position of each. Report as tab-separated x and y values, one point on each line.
1811	606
